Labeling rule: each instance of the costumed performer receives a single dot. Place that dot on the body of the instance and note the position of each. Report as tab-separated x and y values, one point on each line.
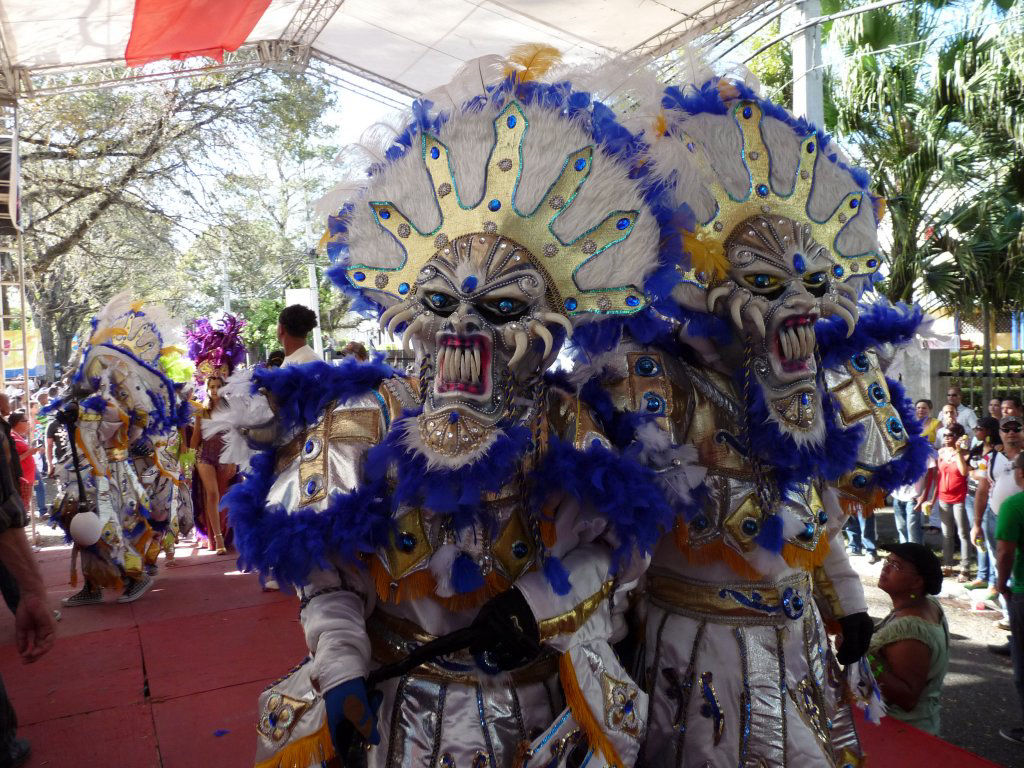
161	461
474	497
116	397
754	366
215	350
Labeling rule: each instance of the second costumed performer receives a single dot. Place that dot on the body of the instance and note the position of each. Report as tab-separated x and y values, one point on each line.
472	496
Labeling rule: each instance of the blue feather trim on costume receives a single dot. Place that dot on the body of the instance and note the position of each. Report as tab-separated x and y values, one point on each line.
794	464
770	535
301	393
557	576
95	403
879	323
618	488
466	575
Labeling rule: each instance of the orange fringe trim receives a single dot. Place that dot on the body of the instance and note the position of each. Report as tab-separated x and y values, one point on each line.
422	584
548	535
714	552
807	559
309	750
581	712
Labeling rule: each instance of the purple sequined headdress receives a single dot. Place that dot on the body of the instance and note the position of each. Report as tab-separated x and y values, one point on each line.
216	350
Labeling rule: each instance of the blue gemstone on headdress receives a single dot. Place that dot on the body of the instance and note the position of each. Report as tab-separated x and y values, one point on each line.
895	427
311	487
838	271
309	447
511	122
798	263
384	213
494	204
405	541
653	403
520	549
872	263
700	522
859	481
358	277
860	362
690	146
762	190
403	288
810	148
469	284
453	417
747	112
822	517
749	526
854	203
646	366
807	533
877	393
435	153
580	164
570	304
622	223
805	399
633	301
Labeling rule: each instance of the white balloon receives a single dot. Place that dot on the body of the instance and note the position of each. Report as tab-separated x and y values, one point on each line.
85	528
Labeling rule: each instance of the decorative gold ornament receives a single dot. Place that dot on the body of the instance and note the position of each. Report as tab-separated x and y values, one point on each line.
707	246
496	213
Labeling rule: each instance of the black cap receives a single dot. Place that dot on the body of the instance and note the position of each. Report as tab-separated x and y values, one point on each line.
1011	419
924	561
989	423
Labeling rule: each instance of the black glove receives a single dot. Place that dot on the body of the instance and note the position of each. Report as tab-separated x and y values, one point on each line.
352	716
507	631
857	629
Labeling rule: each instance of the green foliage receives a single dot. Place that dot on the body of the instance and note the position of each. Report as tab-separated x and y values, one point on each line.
773	67
260	332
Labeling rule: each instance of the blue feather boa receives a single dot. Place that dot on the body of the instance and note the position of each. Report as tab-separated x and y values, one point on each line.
911	465
879	323
288	544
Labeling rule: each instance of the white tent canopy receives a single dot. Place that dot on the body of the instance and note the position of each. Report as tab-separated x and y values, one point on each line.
410	46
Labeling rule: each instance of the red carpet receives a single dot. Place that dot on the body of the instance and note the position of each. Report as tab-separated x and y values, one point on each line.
171	680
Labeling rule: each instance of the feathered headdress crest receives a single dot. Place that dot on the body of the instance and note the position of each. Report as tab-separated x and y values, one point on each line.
216	348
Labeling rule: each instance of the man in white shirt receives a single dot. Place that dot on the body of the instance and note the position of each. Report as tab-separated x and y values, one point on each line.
293	326
964	415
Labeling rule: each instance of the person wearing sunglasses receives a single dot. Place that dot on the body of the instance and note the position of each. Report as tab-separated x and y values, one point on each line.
909	652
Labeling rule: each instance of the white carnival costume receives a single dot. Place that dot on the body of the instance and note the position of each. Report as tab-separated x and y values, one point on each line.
476	496
762	380
118	401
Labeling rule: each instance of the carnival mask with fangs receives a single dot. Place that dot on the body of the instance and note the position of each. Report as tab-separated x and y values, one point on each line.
778	284
482	328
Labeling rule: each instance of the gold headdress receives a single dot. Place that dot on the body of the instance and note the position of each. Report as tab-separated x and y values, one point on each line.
706	246
496	213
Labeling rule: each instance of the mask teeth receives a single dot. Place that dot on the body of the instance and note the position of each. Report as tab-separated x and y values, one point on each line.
460	365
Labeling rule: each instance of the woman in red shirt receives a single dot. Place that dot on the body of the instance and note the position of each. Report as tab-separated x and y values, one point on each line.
26	455
953	471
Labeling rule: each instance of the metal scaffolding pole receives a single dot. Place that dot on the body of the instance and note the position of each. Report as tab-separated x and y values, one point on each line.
808	75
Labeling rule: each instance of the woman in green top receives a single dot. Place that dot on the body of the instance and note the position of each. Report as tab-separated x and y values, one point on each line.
909	651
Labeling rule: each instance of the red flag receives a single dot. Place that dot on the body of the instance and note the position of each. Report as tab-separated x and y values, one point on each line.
178	29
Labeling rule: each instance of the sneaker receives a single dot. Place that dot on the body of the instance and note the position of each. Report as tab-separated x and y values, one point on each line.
136	589
977	584
1013	734
873	558
17	753
271	585
85	596
999	650
1003	624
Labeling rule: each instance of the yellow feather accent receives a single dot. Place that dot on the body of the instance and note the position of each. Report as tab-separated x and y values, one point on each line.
322	244
714	552
806	559
301	753
707	256
577	703
107	334
660	124
531	61
881	208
